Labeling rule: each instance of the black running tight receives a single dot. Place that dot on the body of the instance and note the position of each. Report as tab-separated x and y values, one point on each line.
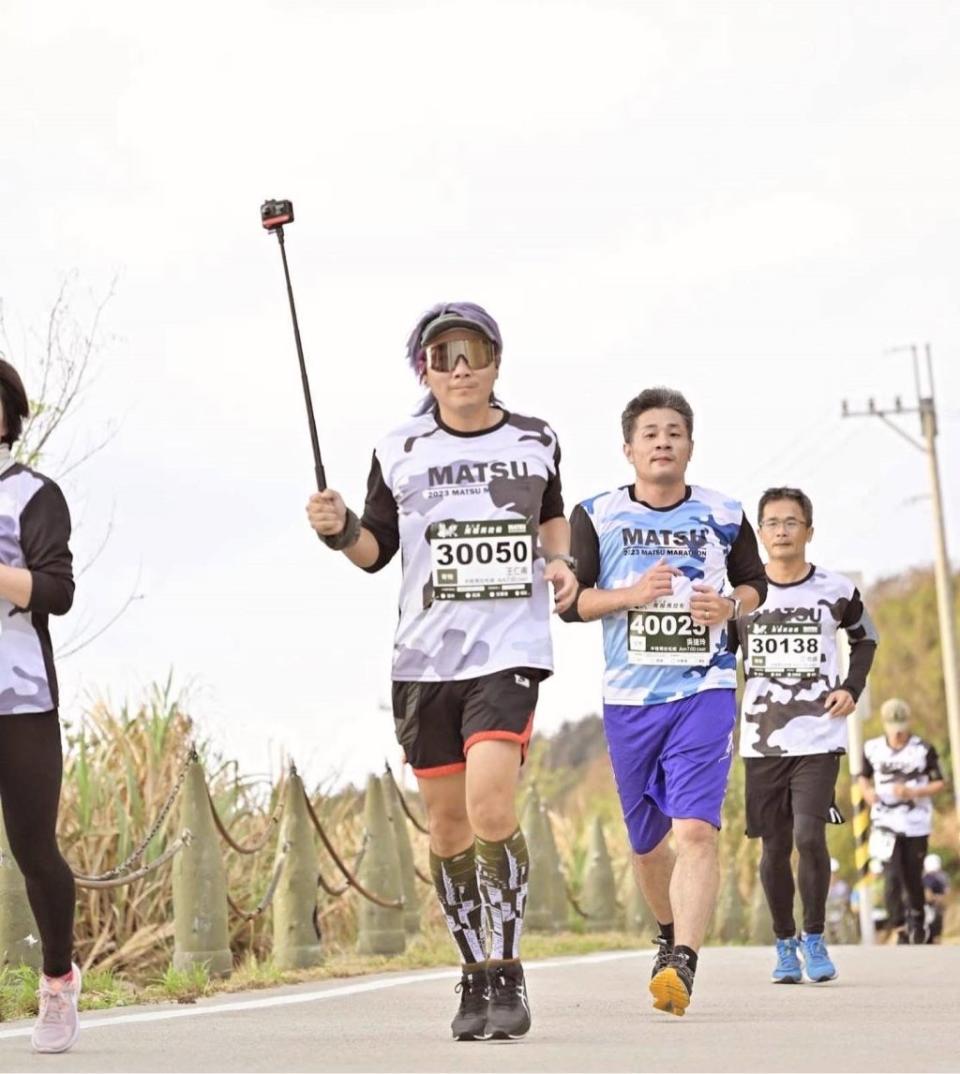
31	767
813	875
903	876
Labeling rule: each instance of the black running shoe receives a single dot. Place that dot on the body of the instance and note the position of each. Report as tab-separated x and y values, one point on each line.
664	954
672	987
508	1015
470	1021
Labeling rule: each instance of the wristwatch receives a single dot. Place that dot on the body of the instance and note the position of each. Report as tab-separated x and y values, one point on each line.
737	605
570	561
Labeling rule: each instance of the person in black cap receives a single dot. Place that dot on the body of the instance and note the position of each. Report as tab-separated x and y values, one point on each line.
470	494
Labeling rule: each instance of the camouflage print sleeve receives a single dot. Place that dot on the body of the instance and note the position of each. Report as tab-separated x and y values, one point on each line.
585	547
44	538
380	517
552	505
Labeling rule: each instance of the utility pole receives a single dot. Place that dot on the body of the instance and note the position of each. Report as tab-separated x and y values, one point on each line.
926	408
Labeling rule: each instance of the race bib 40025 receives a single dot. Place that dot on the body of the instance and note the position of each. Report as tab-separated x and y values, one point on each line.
481	560
663	632
784	650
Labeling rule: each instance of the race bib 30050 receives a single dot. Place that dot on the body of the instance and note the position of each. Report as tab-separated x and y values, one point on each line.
663	632
481	560
784	650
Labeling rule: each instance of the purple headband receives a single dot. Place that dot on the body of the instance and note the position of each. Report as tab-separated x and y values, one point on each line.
466	311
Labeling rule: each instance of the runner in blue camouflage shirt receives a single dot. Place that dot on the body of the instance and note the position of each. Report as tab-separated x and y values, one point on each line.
653	557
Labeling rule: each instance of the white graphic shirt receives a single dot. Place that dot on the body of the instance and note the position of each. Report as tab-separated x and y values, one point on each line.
791	664
913	765
464	509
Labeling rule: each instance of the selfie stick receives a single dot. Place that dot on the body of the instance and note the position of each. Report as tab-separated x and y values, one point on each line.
273	215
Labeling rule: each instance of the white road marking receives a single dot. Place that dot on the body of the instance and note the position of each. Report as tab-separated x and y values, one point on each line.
313	997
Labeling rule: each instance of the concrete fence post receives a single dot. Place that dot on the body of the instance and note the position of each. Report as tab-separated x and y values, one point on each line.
19	935
380	929
296	936
408	876
542	902
599	898
200	886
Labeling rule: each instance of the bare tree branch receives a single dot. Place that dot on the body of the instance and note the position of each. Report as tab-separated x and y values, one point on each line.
65	373
70	467
133	596
108	533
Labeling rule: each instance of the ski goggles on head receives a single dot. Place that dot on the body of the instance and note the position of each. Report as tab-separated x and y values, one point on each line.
443	357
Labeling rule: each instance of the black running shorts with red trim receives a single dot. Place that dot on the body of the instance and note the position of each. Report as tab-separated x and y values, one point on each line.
438	722
779	788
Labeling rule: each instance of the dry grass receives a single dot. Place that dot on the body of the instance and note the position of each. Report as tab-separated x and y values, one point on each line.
119	767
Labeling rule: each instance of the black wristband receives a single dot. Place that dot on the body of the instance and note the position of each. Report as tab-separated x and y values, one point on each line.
347	537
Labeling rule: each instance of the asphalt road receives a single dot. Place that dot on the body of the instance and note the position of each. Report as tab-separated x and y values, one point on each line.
892	1009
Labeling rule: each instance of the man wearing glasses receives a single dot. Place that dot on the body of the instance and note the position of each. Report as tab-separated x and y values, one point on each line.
793	731
470	494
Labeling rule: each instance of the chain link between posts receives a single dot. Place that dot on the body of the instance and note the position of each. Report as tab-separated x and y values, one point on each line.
334	892
264	903
352	881
258	844
422	828
123	873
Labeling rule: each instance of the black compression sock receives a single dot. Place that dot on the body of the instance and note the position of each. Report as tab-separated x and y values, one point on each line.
666	932
688	955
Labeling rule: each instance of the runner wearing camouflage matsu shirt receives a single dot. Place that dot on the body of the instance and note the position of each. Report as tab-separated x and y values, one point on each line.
470	495
900	778
653	557
793	731
36	582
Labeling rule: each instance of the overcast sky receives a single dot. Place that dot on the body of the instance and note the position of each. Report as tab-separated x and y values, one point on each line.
750	202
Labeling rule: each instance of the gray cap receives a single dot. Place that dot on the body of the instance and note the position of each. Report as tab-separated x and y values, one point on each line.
895	712
446	321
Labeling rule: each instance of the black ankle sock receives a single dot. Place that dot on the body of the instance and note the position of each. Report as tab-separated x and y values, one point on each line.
689	955
666	932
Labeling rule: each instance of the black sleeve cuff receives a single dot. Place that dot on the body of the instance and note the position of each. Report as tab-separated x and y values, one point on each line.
50	594
572	614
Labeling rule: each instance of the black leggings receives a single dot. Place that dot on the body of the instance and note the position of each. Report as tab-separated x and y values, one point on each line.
903	875
31	767
813	875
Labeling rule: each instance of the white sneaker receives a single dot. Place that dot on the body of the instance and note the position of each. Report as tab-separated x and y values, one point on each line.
58	1024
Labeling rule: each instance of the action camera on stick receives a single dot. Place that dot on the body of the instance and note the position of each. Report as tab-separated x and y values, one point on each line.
274	213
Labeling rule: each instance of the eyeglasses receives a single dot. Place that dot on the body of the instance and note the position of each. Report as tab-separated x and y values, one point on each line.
443	357
791	525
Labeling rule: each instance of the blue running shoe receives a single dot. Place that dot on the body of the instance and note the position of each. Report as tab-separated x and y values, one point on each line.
816	961
788	969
